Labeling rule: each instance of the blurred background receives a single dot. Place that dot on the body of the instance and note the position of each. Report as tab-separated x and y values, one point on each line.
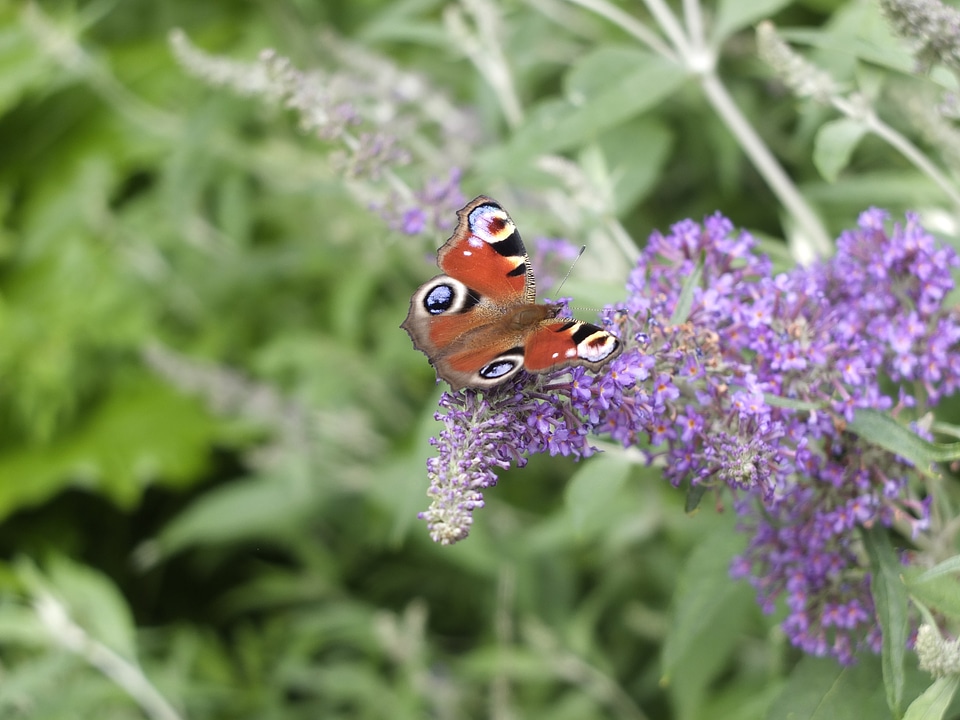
214	433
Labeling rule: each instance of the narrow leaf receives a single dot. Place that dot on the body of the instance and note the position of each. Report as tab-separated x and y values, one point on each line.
241	510
938	592
950	565
593	488
834	144
733	15
789	403
638	83
820	689
934	702
90	598
890	598
894	56
704	583
694	496
883	431
946	428
685	302
706	627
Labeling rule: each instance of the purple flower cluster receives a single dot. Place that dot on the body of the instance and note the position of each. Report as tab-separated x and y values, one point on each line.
431	209
748	381
483	434
376	117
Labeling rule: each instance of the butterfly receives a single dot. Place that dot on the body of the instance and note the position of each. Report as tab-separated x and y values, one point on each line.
479	323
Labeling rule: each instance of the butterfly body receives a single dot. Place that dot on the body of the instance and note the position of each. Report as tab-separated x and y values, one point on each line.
479	324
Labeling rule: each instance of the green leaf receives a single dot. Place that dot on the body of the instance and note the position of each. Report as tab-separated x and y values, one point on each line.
92	601
241	510
790	404
143	432
821	689
950	429
834	145
882	430
894	56
733	15
685	301
604	89
709	614
937	591
23	64
694	496
947	567
20	625
635	154
890	597
934	702
593	488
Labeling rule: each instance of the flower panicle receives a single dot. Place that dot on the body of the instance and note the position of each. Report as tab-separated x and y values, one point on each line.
933	26
487	432
938	655
377	118
754	391
798	74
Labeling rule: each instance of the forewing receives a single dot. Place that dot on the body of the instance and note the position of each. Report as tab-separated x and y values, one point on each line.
486	254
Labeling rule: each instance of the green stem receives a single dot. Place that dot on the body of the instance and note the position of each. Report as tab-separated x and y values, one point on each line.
125	674
899	142
766	164
630	25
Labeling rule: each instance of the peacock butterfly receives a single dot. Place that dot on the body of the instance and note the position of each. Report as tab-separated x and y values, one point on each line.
479	324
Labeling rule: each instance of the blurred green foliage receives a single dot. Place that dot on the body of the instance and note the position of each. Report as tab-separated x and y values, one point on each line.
213	433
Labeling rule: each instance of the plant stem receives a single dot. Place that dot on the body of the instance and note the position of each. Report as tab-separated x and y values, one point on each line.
700	60
125	674
629	25
899	142
766	164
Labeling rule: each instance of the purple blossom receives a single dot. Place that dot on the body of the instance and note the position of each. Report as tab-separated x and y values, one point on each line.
431	209
752	392
482	434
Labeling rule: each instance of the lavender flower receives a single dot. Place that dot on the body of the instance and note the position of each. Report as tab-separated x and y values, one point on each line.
482	434
431	209
751	391
376	118
934	26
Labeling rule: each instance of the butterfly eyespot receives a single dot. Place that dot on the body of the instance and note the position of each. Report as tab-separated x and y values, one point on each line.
439	300
497	369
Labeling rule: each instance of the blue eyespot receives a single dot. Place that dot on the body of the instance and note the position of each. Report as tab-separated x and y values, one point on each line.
496	369
438	300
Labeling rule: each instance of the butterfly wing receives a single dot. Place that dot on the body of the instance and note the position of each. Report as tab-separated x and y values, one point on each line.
456	319
486	253
558	342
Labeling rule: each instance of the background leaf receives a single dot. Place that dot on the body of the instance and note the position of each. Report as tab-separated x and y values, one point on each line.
819	689
834	145
592	488
709	615
734	15
890	596
935	701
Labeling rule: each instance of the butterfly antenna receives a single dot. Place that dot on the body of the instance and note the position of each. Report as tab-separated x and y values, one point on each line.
556	293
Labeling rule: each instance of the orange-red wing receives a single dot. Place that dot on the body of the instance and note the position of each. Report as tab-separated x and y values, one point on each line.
487	255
